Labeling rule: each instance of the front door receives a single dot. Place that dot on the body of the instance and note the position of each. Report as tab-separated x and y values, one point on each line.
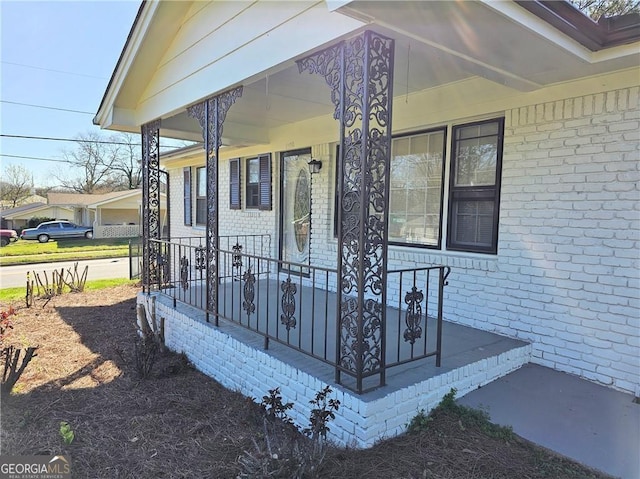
295	205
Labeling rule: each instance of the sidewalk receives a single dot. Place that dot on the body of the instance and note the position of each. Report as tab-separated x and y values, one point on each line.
592	424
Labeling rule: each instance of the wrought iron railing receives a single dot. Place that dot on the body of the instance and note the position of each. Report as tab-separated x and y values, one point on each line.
418	294
135	258
295	304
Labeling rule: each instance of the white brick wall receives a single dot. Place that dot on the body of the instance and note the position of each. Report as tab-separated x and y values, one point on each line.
569	235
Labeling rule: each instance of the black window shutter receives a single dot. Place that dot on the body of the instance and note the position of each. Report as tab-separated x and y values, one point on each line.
187	196
265	182
234	184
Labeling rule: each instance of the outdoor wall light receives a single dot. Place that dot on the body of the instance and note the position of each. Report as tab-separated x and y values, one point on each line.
315	166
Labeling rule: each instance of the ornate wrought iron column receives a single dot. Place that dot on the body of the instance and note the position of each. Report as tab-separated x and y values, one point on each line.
360	74
211	114
150	202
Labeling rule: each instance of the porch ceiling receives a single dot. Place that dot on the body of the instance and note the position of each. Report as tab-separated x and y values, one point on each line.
437	43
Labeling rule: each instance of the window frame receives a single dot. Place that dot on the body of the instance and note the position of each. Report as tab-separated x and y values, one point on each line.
251	189
478	193
263	197
444	130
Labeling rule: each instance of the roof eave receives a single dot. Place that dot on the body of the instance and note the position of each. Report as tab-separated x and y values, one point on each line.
576	25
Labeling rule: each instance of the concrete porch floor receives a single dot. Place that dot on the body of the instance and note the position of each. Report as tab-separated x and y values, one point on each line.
592	424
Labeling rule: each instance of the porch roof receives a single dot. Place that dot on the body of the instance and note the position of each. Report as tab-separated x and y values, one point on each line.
173	58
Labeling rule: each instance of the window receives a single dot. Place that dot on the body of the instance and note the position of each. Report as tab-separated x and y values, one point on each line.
474	187
201	196
234	184
258	185
186	172
416	187
253	183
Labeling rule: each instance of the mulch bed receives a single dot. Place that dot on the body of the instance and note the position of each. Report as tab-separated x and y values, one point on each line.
180	423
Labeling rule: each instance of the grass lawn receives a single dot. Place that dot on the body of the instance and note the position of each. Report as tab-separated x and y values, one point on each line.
26	252
15	294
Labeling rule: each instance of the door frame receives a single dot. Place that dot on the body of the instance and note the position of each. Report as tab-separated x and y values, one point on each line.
281	267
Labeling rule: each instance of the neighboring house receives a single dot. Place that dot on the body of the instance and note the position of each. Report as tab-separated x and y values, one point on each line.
18	218
475	162
112	215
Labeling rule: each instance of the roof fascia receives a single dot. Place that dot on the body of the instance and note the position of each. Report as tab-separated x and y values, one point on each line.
606	33
35	210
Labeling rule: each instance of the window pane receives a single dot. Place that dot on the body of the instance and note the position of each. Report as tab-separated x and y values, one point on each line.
202	182
416	187
253	171
252	196
476	161
201	211
473	223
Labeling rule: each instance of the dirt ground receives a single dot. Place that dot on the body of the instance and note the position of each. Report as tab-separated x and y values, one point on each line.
182	424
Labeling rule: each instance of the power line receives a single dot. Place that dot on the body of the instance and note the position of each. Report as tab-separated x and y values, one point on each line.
77	140
52	70
47	107
34	158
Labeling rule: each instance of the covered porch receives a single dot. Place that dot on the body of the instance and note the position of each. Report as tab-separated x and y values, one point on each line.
255	317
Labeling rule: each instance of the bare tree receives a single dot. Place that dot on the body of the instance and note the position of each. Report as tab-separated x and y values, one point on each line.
91	165
16	185
128	161
606	8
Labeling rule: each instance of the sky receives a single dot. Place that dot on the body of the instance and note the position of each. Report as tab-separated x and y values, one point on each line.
57	55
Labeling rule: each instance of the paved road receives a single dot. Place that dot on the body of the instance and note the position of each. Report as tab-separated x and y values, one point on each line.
15	276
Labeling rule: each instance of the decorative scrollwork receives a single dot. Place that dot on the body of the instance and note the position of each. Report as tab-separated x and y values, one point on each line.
150	200
200	258
163	267
184	273
236	257
328	64
249	291
445	279
288	303
211	114
360	74
413	315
